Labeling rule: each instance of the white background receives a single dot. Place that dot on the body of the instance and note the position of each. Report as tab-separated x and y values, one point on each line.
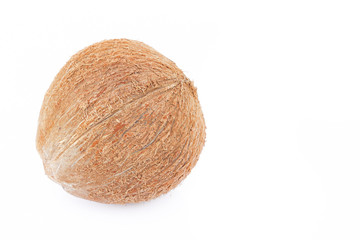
279	84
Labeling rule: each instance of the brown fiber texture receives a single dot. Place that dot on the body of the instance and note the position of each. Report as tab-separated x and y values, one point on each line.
120	123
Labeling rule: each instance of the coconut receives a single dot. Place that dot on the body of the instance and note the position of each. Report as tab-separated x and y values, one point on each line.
120	123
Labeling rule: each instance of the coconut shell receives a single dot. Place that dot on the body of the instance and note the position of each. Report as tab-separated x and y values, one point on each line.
120	123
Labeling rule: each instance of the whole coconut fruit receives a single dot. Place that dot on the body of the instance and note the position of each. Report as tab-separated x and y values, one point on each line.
120	123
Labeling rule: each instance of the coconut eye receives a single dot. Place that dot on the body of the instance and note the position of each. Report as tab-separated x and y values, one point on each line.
120	123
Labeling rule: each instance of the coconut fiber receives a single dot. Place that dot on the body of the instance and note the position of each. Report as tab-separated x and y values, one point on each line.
120	123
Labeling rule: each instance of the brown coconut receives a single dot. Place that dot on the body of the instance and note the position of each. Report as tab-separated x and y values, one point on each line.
120	123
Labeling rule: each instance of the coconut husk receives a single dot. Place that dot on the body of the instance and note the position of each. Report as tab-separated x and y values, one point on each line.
120	123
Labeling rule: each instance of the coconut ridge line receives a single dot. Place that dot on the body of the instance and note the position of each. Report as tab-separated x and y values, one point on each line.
102	120
120	138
